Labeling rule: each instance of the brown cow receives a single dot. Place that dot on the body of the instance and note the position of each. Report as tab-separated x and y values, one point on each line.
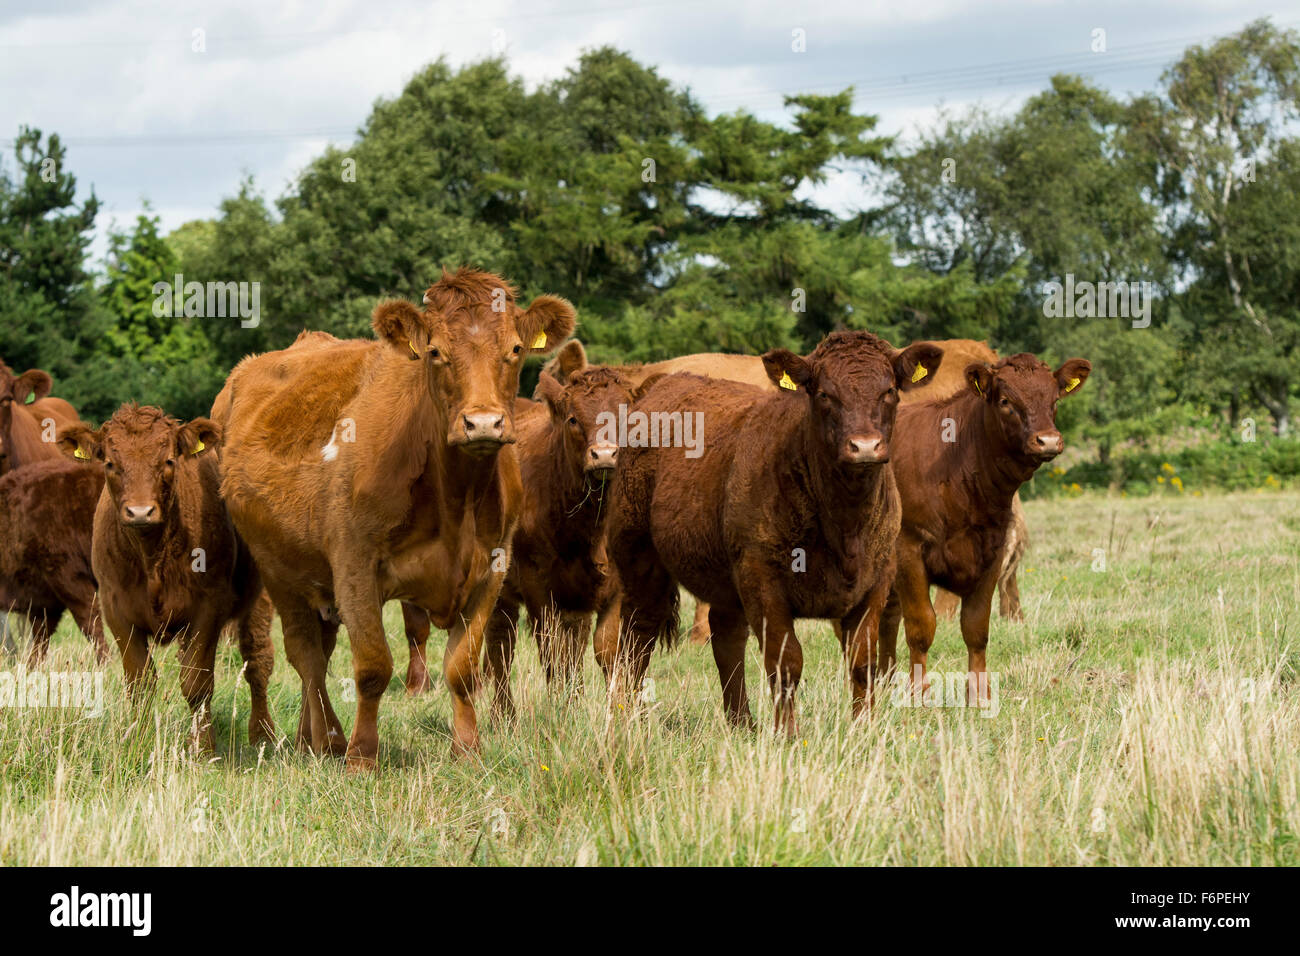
957	496
948	379
168	560
46	512
367	471
567	455
791	511
27	429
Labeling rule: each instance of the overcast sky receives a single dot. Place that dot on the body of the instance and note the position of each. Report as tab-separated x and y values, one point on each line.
146	117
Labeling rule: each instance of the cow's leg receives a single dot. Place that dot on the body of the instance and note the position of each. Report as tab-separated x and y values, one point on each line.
859	635
729	631
43	621
975	612
198	661
700	626
913	590
499	655
415	621
319	729
649	611
887	640
770	617
604	641
258	653
362	611
137	663
460	668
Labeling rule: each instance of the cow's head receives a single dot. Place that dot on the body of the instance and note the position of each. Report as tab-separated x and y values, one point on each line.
852	381
142	450
585	413
17	390
1023	392
472	339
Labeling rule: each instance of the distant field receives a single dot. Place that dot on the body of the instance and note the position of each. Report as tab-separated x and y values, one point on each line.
1149	714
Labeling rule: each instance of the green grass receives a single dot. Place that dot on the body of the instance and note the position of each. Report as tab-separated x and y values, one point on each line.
1149	715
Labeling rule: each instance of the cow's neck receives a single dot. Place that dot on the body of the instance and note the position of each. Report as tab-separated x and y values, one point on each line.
574	510
846	499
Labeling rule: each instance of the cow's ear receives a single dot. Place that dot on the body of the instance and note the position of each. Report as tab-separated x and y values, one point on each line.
914	366
546	323
198	437
396	321
81	442
786	369
32	382
570	359
1072	374
647	383
549	391
979	378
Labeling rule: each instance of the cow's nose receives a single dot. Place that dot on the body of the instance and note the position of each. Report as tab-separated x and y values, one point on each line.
602	455
139	514
1047	443
866	450
485	426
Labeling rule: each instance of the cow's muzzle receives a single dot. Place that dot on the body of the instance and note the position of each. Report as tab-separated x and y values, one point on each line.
1046	445
482	432
602	458
141	516
861	450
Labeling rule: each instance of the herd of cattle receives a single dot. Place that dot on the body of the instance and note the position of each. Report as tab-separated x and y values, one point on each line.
334	476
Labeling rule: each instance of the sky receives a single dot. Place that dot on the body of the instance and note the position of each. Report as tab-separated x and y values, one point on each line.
148	116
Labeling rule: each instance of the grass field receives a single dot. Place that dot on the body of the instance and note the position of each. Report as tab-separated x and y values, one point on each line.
1149	714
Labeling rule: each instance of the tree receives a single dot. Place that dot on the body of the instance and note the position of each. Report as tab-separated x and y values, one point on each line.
1224	115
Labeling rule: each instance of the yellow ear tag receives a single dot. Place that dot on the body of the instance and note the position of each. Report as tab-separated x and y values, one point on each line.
199	447
920	373
539	342
788	382
1074	382
978	390
78	453
414	350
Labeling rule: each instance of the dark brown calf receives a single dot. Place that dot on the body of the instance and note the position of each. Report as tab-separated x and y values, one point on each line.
958	495
568	452
791	511
46	512
168	560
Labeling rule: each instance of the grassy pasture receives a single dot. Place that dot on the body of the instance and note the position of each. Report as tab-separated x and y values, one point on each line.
1148	714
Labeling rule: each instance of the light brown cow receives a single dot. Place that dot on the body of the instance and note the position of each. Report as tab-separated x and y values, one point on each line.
367	471
27	429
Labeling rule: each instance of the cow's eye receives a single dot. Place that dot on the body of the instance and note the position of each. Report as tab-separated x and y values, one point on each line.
170	463
517	349
435	353
108	466
573	420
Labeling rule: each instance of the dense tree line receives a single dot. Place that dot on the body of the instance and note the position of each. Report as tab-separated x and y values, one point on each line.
673	231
